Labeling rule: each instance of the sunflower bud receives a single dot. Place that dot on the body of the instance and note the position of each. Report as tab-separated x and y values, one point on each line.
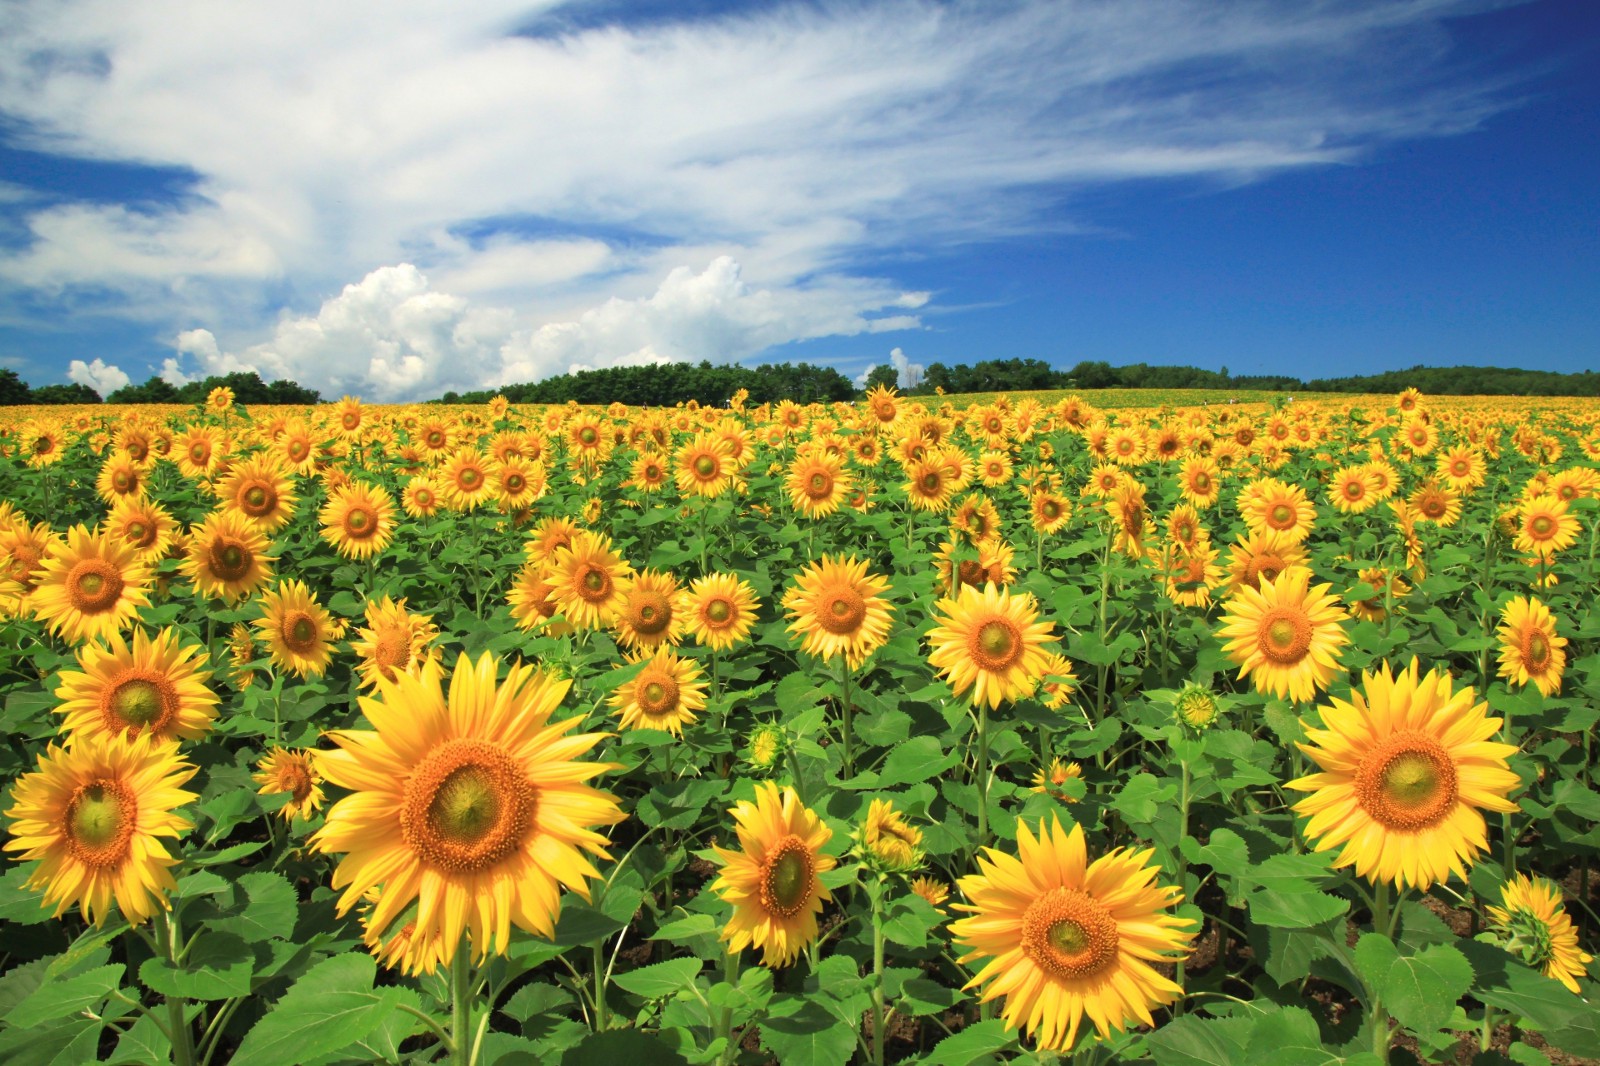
1196	707
887	842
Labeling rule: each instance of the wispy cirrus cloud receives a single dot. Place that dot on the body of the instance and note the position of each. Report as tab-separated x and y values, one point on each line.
561	190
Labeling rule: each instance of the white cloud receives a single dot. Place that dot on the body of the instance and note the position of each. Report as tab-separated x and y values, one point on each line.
98	375
908	375
794	139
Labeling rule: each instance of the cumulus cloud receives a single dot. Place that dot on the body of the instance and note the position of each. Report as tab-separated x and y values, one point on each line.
908	375
542	175
100	376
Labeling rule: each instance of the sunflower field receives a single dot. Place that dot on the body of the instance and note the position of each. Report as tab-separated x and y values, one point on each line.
1022	731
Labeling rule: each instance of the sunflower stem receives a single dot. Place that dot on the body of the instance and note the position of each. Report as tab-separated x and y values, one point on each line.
1183	867
1380	1015
598	951
170	938
461	1004
878	1013
983	773
849	743
730	975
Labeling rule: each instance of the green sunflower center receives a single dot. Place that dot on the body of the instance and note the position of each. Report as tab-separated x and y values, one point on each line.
467	806
786	877
719	611
139	702
705	466
100	820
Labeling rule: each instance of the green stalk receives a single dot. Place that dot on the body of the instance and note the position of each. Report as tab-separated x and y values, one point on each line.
849	741
983	773
598	950
1105	594
461	1005
170	938
878	1013
1380	1015
1183	866
730	974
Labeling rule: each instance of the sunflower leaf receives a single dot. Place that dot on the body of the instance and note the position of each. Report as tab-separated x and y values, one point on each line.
659	980
60	999
332	1006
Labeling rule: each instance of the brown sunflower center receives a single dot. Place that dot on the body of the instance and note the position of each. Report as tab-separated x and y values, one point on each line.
1050	509
1285	635
229	560
1542	525
719	611
658	695
140	702
298	450
651	613
1281	516
392	649
140	533
360	523
843	612
705	466
1407	782
258	499
100	819
1354	489
787	877
819	485
468	478
124	481
996	644
300	632
1069	934
515	483
587	435
468	806
594	585
1433	506
1536	653
435	439
94	585
931	482
1201	483
293	778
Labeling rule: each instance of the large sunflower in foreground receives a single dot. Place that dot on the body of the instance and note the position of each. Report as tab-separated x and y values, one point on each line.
991	642
1407	767
1536	928
154	686
1065	937
92	814
472	806
772	882
1530	650
90	585
1285	636
838	609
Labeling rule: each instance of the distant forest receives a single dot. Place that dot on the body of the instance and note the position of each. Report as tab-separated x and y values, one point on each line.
716	384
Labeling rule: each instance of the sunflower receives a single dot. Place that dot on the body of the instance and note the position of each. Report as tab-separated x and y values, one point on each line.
585	580
260	489
350	414
421	497
1545	527
1190	576
929	486
704	466
991	642
936	892
358	520
1388	587
548	535
839	609
1270	506
141	523
649	472
93	814
1536	928
1285	635
1052	780
1065	937
994	468
1406	768
887	841
1195	707
296	629
42	444
227	557
817	484
1353	489
119	478
518	483
1200	481
1462	467
1255	558
90	585
773	881
666	694
1434	503
154	686
466	479
1049	511
646	616
982	563
1126	508
473	807
393	641
1530	650
435	435
294	772
198	452
718	610
531	600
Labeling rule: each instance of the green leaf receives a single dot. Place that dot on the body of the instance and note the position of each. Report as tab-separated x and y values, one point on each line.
271	910
143	1042
54	1000
808	1035
1504	982
1581	1036
975	1042
909	921
20	904
218	966
921	758
1268	907
1142	797
1192	1041
622	1045
332	1006
1288	1037
919	996
685	928
1420	990
660	980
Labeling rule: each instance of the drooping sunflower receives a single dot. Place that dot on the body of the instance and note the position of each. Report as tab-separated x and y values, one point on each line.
1530	650
153	686
475	807
718	610
1536	928
1407	767
585	579
666	694
93	815
647	616
1285	635
772	881
296	629
294	772
1064	937
261	490
227	557
393	641
89	586
817	484
358	520
839	609
887	841
990	640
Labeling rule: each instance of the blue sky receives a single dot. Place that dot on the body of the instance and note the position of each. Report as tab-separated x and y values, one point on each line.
457	198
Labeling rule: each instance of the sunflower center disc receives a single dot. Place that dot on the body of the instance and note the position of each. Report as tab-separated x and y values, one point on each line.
844	613
595	583
1202	482
1407	782
1282	516
821	484
140	534
300	633
229	561
124	481
996	644
1051	510
139	702
659	696
587	435
786	877
100	820
1070	934
468	478
95	585
467	807
392	649
357	521
1354	490
1285	636
931	482
1538	657
719	611
653	615
1541	526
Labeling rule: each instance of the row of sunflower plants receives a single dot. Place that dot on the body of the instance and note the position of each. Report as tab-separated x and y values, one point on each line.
898	732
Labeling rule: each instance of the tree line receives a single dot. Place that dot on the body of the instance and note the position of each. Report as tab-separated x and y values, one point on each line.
668	384
247	386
